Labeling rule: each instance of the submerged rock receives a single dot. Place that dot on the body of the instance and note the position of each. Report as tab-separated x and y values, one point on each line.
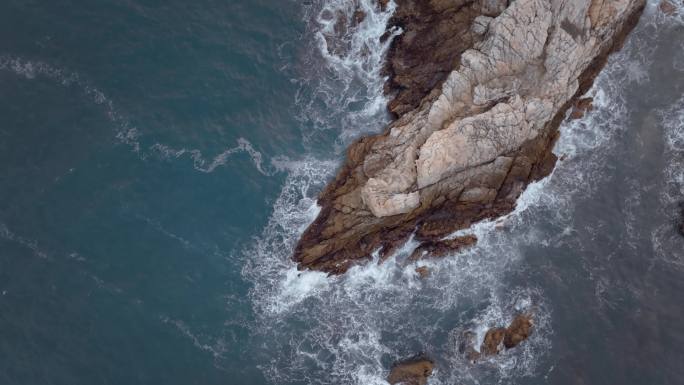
479	101
411	372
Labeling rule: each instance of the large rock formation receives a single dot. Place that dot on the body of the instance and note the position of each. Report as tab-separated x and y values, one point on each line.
481	87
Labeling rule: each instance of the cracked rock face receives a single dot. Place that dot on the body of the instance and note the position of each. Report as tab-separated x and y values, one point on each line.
469	139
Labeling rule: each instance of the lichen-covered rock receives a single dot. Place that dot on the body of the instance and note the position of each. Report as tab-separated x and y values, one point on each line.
478	116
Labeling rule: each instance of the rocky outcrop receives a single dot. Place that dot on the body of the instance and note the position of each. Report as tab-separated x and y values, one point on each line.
436	33
412	372
498	339
469	139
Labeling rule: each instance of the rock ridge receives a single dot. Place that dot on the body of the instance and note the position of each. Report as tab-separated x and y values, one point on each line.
475	125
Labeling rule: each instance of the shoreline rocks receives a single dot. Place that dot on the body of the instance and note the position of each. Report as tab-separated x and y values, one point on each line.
471	137
414	371
498	339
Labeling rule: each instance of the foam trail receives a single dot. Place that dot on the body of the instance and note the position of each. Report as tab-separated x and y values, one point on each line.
207	166
31	244
127	133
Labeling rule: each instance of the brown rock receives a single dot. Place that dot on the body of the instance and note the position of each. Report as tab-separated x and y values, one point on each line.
581	107
412	372
423	271
439	248
420	59
518	331
667	8
359	16
497	339
492	341
383	4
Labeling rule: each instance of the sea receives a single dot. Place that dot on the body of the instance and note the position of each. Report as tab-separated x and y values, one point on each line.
159	159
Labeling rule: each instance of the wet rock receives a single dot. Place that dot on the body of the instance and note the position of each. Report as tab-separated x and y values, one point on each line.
411	372
667	8
518	331
383	4
581	107
435	34
440	248
359	16
478	118
423	271
497	339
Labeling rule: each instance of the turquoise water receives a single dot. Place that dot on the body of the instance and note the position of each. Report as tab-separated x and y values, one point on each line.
159	160
118	259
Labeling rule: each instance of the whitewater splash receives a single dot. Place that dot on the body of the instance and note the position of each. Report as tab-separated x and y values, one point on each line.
341	86
349	329
126	133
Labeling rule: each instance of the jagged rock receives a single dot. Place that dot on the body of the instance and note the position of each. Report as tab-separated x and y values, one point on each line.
497	339
435	34
518	331
439	248
492	341
581	107
478	117
412	372
359	16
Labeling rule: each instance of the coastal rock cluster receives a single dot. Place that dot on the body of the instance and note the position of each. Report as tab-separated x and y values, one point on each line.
415	371
479	89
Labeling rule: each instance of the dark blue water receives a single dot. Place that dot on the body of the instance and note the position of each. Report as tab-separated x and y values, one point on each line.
158	160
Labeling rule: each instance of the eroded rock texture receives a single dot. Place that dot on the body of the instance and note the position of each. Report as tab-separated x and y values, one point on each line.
471	137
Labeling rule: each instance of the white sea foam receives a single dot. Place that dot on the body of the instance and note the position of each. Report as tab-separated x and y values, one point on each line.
31	244
202	164
126	133
342	85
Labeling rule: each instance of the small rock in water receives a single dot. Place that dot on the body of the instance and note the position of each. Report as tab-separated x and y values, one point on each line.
412	372
359	16
581	107
423	271
518	331
498	339
667	8
383	4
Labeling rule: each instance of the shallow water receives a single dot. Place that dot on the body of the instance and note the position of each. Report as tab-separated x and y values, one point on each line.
160	160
